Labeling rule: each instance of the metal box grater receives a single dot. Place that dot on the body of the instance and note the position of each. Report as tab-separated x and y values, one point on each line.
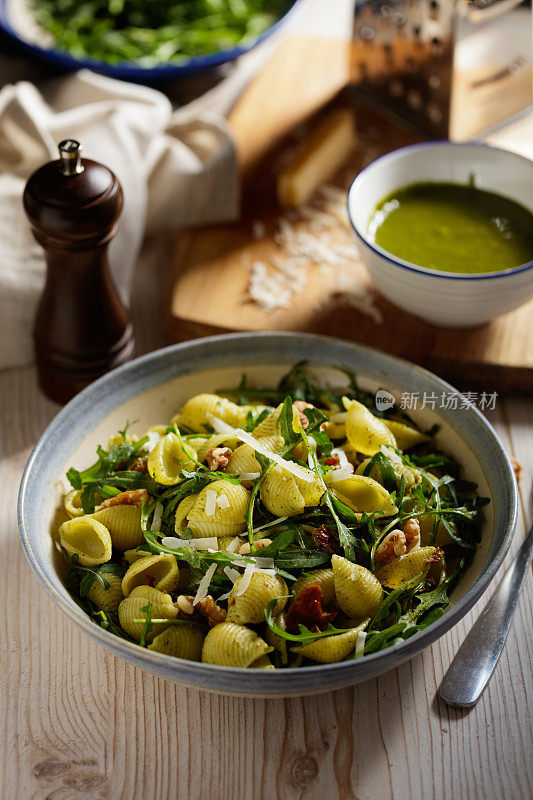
453	68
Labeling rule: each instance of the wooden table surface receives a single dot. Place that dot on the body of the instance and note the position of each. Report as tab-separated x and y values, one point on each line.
78	723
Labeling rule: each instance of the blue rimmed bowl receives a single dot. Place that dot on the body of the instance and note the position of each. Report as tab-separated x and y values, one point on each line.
151	388
16	21
448	299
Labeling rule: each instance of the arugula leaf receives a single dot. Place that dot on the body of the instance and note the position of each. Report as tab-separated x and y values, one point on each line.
88	575
386	470
148	624
106	621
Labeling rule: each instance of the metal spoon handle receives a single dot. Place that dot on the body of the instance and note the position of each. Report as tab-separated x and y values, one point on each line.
475	660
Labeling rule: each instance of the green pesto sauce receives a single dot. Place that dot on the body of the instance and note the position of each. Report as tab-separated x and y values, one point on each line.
453	228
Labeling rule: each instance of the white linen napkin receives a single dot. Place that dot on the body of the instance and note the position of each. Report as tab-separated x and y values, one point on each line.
177	168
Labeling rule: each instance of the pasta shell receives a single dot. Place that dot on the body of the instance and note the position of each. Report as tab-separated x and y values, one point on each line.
168	458
322	577
107	599
88	539
365	432
249	607
228	521
130	609
331	649
232	645
160	571
72	504
442	537
124	525
357	590
194	413
405	568
362	494
180	641
262	663
278	642
410	474
134	555
406	436
284	494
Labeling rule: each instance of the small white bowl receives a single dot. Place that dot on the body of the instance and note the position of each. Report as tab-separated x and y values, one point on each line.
447	299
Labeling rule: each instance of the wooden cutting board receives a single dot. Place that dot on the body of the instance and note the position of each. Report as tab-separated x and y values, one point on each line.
209	285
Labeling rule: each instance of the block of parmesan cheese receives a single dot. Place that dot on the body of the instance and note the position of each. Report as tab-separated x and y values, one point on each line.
317	158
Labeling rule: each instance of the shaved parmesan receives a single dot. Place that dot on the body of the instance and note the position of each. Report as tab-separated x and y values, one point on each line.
310	461
232	546
204	543
218	425
210	502
343	459
249	476
158	515
153	439
270	524
290	466
339	474
203	586
360	644
232	574
245	580
262	562
222	501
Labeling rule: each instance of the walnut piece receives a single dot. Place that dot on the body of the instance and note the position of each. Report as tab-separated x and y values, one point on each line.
218	458
133	497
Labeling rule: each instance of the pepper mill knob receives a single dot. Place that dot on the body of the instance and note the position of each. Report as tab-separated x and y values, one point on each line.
82	328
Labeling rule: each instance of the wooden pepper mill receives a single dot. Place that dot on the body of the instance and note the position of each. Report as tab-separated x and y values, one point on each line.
82	328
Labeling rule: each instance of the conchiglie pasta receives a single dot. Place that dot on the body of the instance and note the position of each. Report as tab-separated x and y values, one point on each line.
160	571
88	539
442	536
403	569
135	554
284	494
362	494
278	642
193	414
331	649
107	599
406	436
232	645
243	459
170	455
321	577
410	474
357	590
365	432
270	425
181	641
224	521
262	663
130	610
124	525
249	607
72	504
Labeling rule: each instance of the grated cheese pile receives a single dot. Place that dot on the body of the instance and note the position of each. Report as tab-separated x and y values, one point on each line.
316	234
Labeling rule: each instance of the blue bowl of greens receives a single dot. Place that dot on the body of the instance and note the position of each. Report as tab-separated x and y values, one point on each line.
138	41
460	450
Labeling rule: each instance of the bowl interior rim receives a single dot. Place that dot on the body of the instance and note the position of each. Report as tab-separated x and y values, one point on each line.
276	681
396	261
133	69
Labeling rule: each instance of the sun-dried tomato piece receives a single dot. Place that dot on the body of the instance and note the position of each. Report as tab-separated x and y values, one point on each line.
332	461
306	609
326	540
